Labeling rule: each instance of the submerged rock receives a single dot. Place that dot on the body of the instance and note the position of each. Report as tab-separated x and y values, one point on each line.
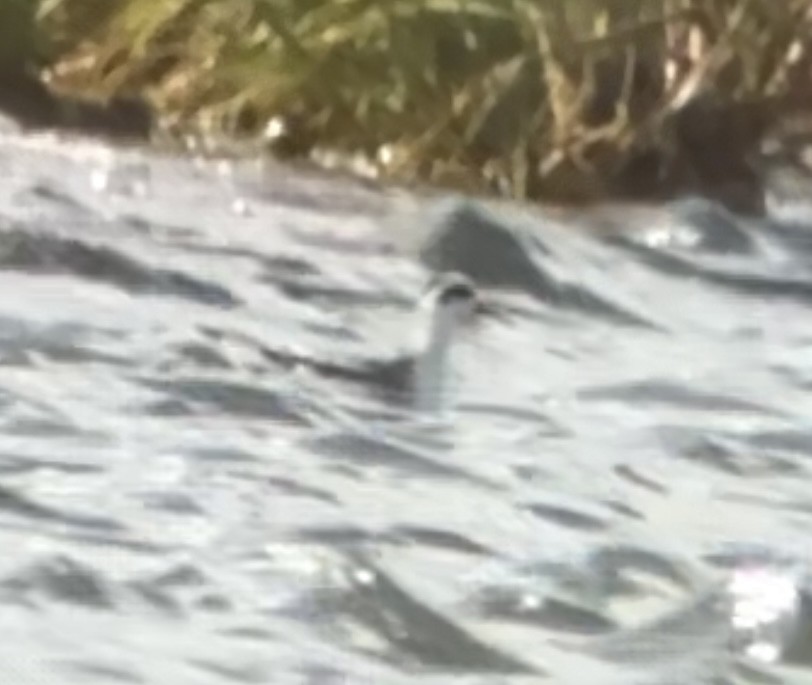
467	237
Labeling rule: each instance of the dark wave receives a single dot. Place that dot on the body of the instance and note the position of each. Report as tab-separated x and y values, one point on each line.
46	254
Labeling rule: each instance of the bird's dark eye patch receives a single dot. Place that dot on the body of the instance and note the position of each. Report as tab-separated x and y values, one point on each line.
457	292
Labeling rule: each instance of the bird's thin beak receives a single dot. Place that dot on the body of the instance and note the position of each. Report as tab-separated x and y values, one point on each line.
485	308
488	307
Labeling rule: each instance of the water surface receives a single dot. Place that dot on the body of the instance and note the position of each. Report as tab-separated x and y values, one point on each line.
616	490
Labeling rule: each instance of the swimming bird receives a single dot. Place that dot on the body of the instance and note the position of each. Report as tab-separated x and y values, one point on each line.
419	374
448	306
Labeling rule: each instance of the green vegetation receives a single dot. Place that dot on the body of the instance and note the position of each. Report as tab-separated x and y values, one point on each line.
568	99
18	44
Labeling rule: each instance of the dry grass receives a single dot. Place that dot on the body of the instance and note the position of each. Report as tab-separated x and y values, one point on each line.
533	98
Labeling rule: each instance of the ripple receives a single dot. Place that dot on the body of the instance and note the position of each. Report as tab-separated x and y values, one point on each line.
410	629
43	254
63	580
232	397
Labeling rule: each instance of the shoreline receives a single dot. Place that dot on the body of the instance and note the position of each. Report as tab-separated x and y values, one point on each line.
654	101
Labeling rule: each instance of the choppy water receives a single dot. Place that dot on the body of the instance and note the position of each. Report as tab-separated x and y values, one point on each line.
617	490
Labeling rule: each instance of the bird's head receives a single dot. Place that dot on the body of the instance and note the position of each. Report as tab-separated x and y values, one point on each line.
452	297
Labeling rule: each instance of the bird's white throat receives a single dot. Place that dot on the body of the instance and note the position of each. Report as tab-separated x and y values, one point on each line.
434	349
